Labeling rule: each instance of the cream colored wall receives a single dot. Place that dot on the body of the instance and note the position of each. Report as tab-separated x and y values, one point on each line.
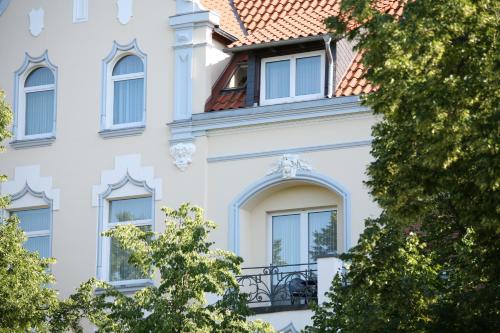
255	241
78	156
227	179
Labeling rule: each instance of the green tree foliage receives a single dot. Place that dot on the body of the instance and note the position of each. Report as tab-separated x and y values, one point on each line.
436	172
188	270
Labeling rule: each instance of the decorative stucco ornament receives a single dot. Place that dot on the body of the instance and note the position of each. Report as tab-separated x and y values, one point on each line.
182	154
36	21
125	10
288	166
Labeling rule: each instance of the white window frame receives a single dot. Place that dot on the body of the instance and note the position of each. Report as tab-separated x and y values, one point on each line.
29	65
293	61
22	105
304	230
107	99
111	93
29	199
39	233
106	241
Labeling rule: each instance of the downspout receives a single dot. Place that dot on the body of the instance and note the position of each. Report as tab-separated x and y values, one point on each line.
329	56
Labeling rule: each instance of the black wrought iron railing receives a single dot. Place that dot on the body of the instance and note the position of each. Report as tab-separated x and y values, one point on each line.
279	285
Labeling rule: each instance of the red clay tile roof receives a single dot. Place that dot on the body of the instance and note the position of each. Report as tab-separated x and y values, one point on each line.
226	100
278	20
229	22
352	83
263	21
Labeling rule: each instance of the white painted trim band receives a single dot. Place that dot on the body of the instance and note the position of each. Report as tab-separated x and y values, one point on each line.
334	146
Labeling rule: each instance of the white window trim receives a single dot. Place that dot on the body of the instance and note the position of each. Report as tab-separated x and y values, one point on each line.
30	64
22	103
140	190
111	94
42	201
293	59
304	230
117	53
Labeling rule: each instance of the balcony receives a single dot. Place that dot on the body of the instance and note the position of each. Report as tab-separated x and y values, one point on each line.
277	288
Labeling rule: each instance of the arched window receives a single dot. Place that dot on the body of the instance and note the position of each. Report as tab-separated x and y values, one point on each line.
128	90
39	103
124	80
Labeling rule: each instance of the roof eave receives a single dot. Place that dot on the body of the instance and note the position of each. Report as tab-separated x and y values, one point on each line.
283	42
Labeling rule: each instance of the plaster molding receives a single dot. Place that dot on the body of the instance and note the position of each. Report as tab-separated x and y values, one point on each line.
36	21
308	149
29	64
182	153
124	10
188	6
270	181
121	132
127	169
27	179
139	186
117	52
288	166
290	328
80	11
201	123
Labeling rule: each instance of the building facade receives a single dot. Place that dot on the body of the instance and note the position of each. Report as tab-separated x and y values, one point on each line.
249	109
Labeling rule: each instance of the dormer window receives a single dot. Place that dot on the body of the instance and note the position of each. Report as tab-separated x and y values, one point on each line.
292	78
239	78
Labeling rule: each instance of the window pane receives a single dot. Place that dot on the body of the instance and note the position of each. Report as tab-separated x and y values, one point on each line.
34	219
278	79
39	112
130	210
39	77
308	76
239	77
286	239
39	244
120	269
127	65
128	101
322	234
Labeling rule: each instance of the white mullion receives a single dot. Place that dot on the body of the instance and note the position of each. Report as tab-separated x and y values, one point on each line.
39	88
39	233
292	76
130	76
304	239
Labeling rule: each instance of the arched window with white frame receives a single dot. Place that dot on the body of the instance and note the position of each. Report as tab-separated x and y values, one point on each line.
123	110
39	103
128	91
35	101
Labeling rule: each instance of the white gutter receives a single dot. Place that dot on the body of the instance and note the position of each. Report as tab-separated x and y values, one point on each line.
329	57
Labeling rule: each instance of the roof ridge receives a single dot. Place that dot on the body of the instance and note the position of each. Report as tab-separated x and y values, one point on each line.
238	18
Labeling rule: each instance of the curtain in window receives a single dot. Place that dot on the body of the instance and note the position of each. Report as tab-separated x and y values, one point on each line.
128	65
322	234
34	219
128	101
120	269
39	77
286	239
308	76
130	210
39	112
40	244
39	104
278	79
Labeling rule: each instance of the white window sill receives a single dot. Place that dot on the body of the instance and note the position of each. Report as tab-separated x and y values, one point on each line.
121	132
128	286
30	143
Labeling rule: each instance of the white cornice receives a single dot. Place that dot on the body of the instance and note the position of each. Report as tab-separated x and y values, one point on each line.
200	123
